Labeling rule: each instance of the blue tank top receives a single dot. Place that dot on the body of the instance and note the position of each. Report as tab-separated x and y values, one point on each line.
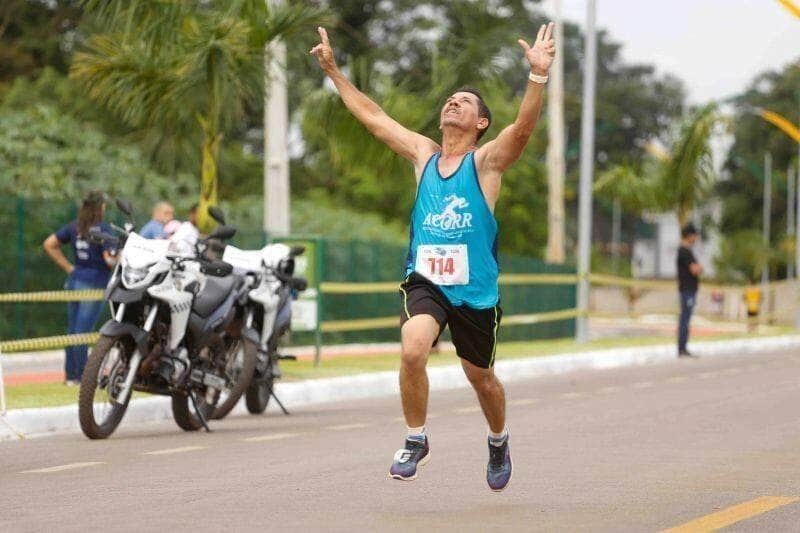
454	235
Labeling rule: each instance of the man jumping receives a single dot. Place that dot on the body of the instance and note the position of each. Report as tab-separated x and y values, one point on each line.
451	270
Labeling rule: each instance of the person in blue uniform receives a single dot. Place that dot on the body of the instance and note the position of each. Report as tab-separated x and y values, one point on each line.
90	269
451	270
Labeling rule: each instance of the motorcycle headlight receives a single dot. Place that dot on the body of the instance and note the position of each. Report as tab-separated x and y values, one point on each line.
132	276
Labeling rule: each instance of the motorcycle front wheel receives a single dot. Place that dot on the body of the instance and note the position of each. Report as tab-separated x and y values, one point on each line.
105	371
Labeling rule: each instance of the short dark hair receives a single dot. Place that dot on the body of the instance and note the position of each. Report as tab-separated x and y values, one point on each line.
688	229
483	109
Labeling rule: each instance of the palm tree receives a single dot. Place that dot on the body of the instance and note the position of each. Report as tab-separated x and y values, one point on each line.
675	180
187	67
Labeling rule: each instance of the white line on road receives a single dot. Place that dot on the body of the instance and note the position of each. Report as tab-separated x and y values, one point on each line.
522	401
676	379
643	385
273	436
169	451
346	427
707	375
467	410
61	468
571	395
429	416
609	390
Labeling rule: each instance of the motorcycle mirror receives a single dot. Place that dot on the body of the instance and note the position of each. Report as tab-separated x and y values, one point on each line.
124	206
217	214
223	233
297	250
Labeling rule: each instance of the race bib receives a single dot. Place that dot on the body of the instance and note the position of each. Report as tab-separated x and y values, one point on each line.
443	264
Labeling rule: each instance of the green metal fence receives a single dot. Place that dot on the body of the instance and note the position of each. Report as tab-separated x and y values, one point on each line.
24	267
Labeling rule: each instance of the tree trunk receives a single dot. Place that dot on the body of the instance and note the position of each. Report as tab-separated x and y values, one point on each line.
208	181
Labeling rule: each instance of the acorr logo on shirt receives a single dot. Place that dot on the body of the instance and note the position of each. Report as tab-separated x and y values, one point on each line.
449	219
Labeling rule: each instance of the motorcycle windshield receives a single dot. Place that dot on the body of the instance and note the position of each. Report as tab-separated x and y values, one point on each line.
140	252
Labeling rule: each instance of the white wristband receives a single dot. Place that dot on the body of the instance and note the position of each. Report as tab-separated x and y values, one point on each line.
538	79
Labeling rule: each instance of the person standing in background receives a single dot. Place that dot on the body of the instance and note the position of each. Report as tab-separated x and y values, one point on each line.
689	271
91	270
163	212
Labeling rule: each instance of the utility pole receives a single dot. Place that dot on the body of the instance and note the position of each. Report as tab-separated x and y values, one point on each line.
765	227
790	214
276	139
556	163
586	173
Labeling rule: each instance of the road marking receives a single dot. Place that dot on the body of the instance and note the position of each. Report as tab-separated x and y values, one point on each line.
643	385
182	449
609	390
732	515
732	371
522	401
707	375
676	379
273	436
467	410
571	395
346	427
61	468
429	416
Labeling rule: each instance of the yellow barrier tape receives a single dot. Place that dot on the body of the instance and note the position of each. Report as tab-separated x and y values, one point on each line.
87	295
364	324
48	343
361	324
539	318
336	287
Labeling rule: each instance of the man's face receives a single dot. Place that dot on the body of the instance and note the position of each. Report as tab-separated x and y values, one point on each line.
461	111
691	239
165	214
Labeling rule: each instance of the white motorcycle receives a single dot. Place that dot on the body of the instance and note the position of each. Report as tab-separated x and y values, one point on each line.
168	335
271	284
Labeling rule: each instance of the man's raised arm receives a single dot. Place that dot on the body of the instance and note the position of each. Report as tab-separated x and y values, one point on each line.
406	143
500	153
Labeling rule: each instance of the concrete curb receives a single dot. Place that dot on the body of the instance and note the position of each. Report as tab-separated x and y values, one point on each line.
56	420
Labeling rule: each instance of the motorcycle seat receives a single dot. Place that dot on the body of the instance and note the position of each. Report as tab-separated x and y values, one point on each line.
214	294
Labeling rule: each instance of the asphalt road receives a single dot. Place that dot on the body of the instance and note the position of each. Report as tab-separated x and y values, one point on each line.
639	449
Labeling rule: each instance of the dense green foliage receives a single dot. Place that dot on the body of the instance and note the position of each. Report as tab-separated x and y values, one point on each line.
742	190
448	45
44	154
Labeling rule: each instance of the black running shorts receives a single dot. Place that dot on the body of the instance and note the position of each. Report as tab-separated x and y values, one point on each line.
474	331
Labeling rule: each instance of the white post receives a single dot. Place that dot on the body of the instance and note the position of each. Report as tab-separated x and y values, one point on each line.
556	164
790	214
586	173
765	229
2	388
276	140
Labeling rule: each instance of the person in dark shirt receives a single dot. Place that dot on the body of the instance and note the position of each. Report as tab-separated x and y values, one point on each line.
689	271
91	269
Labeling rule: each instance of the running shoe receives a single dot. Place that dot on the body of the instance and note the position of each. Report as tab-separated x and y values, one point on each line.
498	471
406	460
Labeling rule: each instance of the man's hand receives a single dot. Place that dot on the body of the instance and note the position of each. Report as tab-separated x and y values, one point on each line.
540	55
324	53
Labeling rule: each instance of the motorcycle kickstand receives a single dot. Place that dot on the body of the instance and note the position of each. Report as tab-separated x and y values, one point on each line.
199	413
272	393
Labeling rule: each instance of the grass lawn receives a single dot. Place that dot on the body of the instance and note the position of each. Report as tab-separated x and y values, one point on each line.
52	394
